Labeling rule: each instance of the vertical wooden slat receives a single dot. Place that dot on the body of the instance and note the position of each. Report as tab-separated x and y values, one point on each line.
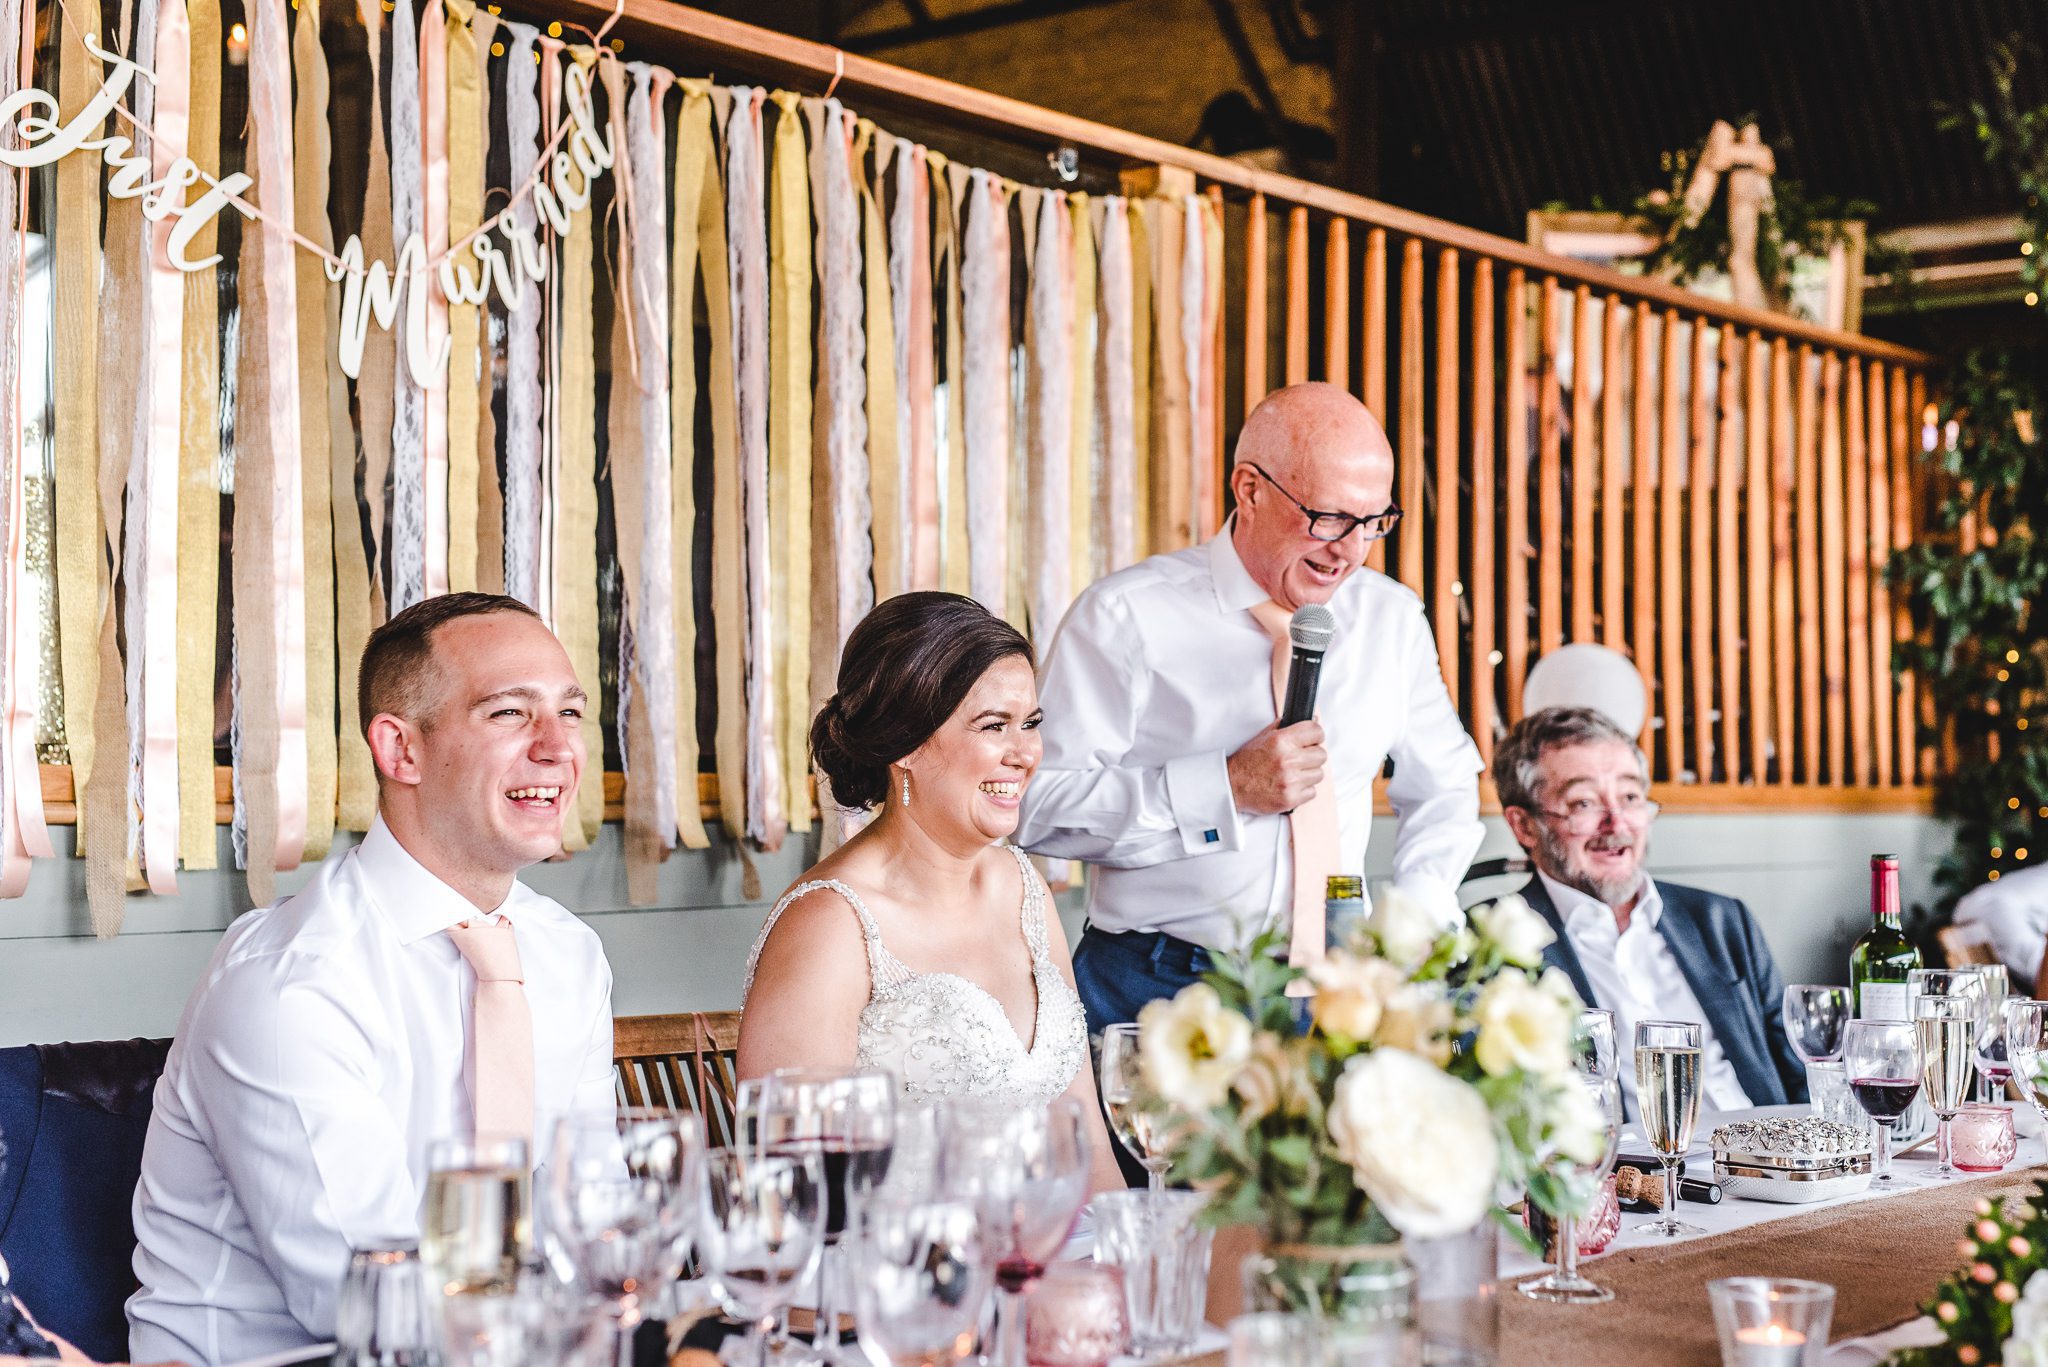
1784	616
1375	385
1254	302
1297	295
1449	496
1728	559
1613	477
1757	541
1931	758
1902	445
1832	570
1410	471
1479	590
1699	551
1879	474
1549	476
1337	303
1806	535
1643	571
1670	528
1585	458
1514	620
1856	530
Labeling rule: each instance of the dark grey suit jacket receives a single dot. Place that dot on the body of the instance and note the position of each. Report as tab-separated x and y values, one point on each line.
1721	950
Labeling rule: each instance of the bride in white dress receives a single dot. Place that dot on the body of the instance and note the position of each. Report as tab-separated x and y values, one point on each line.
924	945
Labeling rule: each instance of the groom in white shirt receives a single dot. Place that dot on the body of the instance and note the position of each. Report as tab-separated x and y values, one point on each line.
1164	764
413	991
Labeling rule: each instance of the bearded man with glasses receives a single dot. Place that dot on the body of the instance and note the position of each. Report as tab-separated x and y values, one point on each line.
1165	767
1574	789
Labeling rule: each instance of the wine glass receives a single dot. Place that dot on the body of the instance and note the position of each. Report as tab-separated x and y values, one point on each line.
846	1117
625	1191
1668	1095
1023	1169
1993	1067
923	1281
2026	1042
1815	1016
1137	1117
476	1220
1947	1029
1594	1041
1565	1282
763	1229
383	1315
1882	1061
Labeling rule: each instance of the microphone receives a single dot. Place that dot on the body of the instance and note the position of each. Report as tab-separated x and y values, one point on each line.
1311	630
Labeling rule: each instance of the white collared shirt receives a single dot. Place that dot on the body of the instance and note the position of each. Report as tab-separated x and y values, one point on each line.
321	1054
1635	975
1160	672
2013	914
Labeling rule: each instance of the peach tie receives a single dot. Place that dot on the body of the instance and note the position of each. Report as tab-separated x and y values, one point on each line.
1312	827
500	1031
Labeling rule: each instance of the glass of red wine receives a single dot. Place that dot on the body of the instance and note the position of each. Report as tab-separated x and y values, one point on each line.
1024	1170
1882	1061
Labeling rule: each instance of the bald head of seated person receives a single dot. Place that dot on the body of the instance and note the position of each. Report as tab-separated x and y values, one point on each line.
1575	790
412	991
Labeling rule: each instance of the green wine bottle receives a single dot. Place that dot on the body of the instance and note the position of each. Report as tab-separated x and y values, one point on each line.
1883	957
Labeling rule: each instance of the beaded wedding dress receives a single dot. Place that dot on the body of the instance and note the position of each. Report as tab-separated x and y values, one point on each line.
944	1036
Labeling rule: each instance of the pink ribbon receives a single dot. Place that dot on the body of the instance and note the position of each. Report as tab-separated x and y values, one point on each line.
434	159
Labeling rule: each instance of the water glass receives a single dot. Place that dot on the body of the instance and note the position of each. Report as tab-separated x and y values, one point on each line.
924	1274
1828	1087
1984	1139
1779	1321
1156	1238
1274	1338
1074	1317
384	1316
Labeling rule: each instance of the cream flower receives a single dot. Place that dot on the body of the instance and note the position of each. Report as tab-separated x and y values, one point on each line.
1519	933
1275	1078
2028	1346
1521	1025
1578	1127
1406	927
1351	993
1417	1018
1419	1141
1191	1048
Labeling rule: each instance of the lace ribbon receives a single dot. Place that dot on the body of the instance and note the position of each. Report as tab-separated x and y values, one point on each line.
523	400
1049	399
1115	430
463	116
910	278
985	308
789	448
434	211
407	531
886	466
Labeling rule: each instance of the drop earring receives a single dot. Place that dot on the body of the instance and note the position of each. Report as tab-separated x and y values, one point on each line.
906	788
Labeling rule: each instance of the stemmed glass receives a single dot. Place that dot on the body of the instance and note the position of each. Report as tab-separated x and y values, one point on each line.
2026	1040
1668	1096
1138	1119
625	1193
1993	1065
1023	1169
923	1281
847	1118
1816	1015
764	1227
1947	1029
1565	1282
1882	1061
1596	1052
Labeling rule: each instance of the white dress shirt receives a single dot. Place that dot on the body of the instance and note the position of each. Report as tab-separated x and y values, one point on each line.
2013	913
1160	672
321	1054
1634	974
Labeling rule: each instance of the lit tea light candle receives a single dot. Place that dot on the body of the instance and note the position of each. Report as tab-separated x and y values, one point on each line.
1768	1345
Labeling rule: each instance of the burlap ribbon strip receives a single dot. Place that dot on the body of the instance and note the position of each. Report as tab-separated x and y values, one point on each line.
878	315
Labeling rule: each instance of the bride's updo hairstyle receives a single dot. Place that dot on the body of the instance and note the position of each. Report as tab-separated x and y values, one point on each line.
906	668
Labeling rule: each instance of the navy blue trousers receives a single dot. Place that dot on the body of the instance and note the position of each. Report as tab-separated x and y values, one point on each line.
1116	975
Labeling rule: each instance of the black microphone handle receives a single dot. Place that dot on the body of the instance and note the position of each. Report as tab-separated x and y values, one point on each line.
1304	675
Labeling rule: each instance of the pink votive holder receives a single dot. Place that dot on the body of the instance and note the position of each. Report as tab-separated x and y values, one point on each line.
1983	1139
1074	1316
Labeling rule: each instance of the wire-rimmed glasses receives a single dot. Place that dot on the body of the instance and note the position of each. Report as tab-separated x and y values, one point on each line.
1139	1120
1668	1099
1881	1059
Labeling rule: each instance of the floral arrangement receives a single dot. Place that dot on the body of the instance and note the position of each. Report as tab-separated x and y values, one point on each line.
1995	1310
1434	1066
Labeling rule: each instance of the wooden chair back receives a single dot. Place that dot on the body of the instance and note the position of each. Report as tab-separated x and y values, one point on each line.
682	1062
1963	947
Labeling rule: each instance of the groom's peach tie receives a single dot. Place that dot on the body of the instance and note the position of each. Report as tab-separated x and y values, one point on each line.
500	1031
1312	826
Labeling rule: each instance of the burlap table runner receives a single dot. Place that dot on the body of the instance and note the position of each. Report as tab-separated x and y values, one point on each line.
1883	1258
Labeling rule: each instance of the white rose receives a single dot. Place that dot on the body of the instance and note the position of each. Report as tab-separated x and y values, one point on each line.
1521	1026
1519	933
1191	1048
2028	1346
1558	984
1578	1127
1351	992
1406	927
1419	1141
1417	1018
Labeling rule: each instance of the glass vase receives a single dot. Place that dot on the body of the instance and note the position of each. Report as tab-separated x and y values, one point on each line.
1363	1295
1458	1310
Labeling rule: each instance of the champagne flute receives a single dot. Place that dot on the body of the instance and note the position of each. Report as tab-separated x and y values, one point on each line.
1947	1029
1668	1095
1565	1283
1138	1118
476	1221
764	1227
1881	1059
924	1279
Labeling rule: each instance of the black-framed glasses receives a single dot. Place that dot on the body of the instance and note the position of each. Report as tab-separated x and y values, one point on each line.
1328	526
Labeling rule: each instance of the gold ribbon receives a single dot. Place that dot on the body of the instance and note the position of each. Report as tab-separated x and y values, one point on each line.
1081	544
789	446
1209	510
1140	496
256	663
698	216
465	172
80	537
885	453
309	181
624	452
